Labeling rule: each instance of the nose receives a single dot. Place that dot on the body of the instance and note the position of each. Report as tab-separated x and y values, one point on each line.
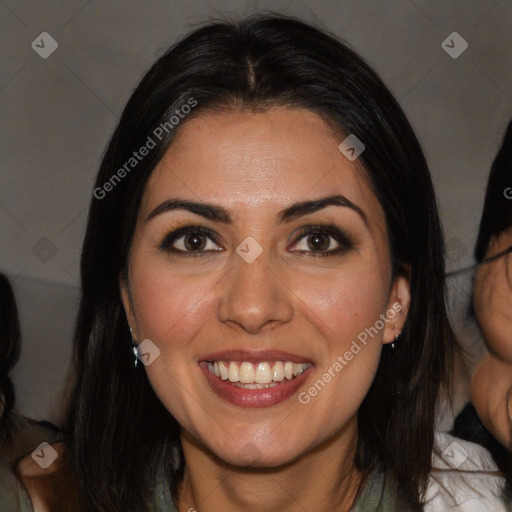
254	297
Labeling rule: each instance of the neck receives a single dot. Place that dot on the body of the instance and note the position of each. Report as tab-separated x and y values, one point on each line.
323	479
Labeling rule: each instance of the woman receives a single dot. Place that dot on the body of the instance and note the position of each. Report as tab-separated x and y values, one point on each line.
491	387
225	358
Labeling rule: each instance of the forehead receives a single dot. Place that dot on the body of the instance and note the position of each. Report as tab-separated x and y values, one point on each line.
258	162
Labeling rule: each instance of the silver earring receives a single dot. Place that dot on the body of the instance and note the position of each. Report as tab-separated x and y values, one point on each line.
134	350
399	388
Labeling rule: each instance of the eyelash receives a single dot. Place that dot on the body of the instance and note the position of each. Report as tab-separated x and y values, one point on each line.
343	239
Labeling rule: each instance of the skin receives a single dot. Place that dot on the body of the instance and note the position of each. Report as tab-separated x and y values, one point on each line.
492	379
254	165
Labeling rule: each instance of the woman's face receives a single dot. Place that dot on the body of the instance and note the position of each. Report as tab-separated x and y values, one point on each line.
256	290
493	297
491	385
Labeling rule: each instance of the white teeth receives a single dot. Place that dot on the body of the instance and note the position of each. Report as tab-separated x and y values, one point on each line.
234	375
288	370
298	369
247	373
262	375
224	374
255	386
278	372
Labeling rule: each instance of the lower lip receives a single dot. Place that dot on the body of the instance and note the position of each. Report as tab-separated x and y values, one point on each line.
253	397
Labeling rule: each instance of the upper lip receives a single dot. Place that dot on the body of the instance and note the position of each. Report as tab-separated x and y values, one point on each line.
254	356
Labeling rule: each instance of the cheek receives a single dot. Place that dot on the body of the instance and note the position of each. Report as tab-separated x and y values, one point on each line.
490	384
169	306
346	310
170	310
347	303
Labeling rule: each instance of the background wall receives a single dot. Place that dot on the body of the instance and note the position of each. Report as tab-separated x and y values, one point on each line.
58	113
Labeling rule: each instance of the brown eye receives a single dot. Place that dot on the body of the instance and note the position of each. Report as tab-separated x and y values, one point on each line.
194	242
323	241
190	239
318	242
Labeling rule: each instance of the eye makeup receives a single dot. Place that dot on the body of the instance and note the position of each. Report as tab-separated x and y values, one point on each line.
195	238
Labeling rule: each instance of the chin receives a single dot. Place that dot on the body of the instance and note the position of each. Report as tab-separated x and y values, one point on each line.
265	455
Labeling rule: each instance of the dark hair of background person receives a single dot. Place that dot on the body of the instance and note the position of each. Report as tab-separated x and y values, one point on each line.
120	432
10	343
497	212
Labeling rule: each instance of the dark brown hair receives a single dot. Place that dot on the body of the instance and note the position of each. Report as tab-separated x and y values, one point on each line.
10	342
122	436
497	212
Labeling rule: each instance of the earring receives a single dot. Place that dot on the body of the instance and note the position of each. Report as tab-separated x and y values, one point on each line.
134	350
398	386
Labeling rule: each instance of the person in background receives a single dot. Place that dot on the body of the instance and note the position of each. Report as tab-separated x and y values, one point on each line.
491	386
9	354
23	458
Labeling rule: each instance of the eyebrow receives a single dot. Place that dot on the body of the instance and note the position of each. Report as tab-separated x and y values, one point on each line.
217	213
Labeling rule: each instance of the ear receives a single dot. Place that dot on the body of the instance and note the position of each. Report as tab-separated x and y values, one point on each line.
398	306
126	298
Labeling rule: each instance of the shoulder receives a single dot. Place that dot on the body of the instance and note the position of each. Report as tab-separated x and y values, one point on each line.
12	495
47	478
26	435
464	478
28	465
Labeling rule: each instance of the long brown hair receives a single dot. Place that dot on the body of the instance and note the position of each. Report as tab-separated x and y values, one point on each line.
122	436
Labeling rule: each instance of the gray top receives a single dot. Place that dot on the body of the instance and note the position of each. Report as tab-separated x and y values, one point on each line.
467	484
28	435
380	494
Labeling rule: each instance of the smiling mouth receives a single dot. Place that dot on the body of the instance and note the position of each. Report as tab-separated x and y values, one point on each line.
263	375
